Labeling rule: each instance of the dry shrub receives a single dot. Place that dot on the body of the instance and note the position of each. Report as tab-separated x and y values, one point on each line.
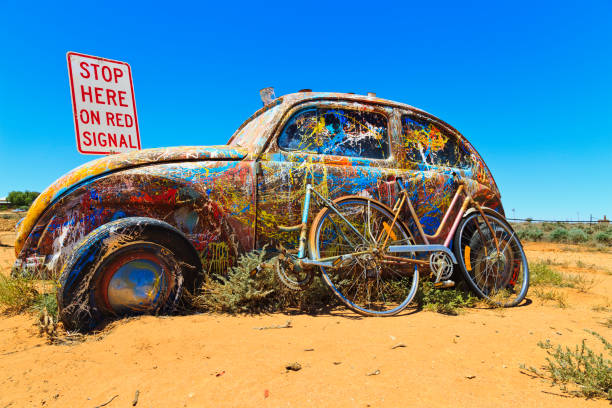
23	294
581	371
17	294
247	289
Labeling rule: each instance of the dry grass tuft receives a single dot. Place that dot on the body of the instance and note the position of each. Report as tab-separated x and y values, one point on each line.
550	295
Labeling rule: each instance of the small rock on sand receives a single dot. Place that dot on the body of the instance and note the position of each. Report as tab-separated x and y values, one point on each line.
293	366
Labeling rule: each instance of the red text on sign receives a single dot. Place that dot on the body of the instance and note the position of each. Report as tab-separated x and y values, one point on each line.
119	119
103	96
106	73
108	140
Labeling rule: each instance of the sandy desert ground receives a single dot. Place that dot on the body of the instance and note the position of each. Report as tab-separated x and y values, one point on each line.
470	360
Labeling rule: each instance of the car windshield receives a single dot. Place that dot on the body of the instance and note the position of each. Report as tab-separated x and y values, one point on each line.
251	134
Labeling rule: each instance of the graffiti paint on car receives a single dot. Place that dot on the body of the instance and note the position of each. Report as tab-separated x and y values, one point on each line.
229	199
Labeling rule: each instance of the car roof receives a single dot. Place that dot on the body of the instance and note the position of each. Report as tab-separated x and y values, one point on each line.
293	99
299	97
304	96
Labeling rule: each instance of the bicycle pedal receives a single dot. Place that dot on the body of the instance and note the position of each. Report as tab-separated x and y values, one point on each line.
444	284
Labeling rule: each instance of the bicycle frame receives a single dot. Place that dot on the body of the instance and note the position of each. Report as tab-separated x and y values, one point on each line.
404	199
303	227
438	234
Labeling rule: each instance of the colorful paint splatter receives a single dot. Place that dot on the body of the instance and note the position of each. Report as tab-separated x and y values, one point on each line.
225	200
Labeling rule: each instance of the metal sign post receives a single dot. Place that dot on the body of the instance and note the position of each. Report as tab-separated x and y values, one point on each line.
103	105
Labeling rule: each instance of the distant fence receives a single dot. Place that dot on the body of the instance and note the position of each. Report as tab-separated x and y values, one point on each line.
561	221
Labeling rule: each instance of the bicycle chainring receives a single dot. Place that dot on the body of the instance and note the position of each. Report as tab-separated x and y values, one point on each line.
441	265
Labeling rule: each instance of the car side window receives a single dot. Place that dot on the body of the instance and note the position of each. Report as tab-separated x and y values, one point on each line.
427	143
340	132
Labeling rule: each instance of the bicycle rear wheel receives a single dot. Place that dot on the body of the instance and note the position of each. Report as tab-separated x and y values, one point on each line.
368	283
501	277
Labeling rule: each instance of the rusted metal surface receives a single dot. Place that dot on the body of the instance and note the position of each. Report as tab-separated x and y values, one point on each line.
230	199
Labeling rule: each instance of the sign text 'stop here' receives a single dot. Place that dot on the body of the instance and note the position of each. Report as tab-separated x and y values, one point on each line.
103	104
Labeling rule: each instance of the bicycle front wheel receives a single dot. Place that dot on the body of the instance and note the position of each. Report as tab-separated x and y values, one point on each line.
499	273
368	282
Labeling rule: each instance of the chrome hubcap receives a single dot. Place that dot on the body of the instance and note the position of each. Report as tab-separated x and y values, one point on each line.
136	286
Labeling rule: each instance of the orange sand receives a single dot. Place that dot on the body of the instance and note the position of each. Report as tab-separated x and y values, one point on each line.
470	360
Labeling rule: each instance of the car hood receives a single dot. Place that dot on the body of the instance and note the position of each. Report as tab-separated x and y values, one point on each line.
109	164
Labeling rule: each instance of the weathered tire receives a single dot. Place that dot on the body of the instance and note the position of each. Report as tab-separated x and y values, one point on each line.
502	278
130	266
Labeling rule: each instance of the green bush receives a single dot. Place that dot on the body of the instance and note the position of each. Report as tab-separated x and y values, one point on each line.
530	233
603	237
590	372
535	234
522	234
445	301
559	235
542	274
22	198
576	236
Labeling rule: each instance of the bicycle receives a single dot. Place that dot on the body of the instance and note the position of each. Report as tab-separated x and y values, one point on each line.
369	257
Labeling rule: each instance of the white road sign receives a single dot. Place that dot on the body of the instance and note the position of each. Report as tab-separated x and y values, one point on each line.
103	104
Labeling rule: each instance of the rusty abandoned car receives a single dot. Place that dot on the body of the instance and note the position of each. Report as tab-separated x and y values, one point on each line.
370	192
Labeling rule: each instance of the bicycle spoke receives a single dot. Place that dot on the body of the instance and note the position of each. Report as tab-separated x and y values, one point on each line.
366	282
492	272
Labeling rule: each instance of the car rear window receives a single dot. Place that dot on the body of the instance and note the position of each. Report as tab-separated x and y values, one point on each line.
427	143
339	132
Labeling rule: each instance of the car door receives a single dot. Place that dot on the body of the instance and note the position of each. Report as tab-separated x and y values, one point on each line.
340	147
432	158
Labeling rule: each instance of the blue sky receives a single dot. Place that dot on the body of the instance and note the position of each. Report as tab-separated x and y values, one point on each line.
528	83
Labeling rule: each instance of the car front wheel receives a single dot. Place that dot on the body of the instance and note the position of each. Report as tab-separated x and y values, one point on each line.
128	267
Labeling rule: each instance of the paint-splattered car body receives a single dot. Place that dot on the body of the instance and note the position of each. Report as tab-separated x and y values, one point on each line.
230	199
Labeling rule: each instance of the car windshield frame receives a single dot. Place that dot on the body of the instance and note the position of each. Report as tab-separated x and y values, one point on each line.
252	129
